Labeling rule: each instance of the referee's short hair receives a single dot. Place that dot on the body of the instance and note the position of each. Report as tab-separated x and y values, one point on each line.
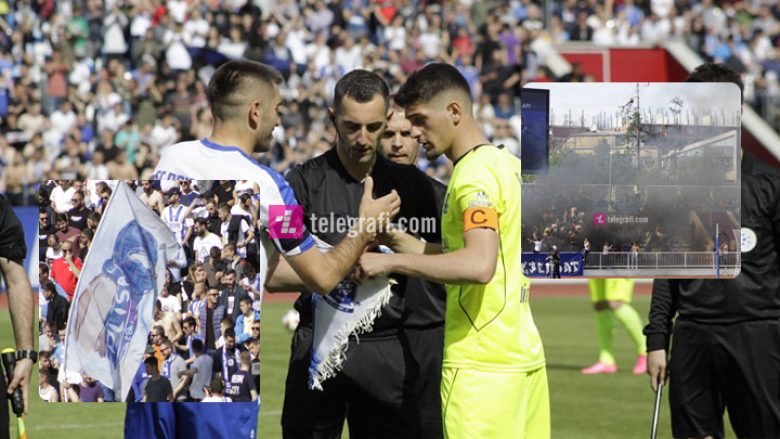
361	86
425	84
233	81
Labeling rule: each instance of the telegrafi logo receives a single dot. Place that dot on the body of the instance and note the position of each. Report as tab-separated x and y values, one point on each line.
285	221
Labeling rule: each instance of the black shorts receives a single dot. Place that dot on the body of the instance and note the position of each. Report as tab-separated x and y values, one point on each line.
12	245
374	392
427	347
734	367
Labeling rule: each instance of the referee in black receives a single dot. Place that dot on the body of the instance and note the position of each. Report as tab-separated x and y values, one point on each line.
725	351
20	300
389	385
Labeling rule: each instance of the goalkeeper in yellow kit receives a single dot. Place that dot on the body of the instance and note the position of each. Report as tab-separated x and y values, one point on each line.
494	383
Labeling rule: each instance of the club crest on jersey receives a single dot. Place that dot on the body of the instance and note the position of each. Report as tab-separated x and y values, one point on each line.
748	239
446	203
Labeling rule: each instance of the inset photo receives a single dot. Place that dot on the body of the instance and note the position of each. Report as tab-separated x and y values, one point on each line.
149	292
635	180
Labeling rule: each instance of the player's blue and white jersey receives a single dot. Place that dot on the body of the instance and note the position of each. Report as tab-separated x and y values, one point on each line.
205	160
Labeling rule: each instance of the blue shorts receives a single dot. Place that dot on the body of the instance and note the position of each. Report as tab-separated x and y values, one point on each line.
191	420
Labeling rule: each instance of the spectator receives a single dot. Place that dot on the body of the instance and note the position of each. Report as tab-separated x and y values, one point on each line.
58	306
204	240
172	365
248	322
46	390
184	344
231	295
66	270
242	385
210	317
200	371
65	233
216	391
88	390
157	387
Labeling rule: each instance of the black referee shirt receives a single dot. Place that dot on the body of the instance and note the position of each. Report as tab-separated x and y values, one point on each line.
326	190
755	293
12	245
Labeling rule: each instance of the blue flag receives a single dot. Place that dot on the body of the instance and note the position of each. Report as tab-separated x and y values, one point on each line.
112	308
191	420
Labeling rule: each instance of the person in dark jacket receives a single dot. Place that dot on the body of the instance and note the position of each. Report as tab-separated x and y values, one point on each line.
57	313
726	339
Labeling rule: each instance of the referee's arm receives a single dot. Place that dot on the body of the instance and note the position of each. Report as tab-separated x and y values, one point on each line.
658	331
22	310
321	272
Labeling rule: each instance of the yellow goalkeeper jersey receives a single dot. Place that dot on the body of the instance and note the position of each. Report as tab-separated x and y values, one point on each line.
489	327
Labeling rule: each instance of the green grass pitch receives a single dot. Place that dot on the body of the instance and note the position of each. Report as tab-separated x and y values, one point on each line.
607	406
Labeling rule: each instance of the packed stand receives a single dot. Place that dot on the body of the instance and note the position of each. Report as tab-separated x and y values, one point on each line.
742	34
205	339
94	90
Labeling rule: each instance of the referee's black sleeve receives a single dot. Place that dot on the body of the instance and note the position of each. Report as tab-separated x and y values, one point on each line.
662	310
298	185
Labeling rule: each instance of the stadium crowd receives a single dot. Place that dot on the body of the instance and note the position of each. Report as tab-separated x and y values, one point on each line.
94	90
558	219
743	34
206	329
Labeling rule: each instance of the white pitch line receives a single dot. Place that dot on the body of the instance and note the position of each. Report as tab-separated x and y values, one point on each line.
270	412
72	426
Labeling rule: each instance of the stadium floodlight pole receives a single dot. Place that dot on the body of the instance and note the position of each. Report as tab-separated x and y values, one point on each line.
656	409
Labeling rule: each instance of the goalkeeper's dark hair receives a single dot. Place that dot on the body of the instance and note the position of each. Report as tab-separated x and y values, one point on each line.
229	83
425	84
712	72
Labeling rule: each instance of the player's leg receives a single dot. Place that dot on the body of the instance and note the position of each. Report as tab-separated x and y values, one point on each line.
536	404
696	396
379	381
619	292
753	384
604	328
495	405
427	348
310	414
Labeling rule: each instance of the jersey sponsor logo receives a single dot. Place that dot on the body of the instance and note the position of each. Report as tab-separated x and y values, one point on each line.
343	296
748	239
476	217
480	200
